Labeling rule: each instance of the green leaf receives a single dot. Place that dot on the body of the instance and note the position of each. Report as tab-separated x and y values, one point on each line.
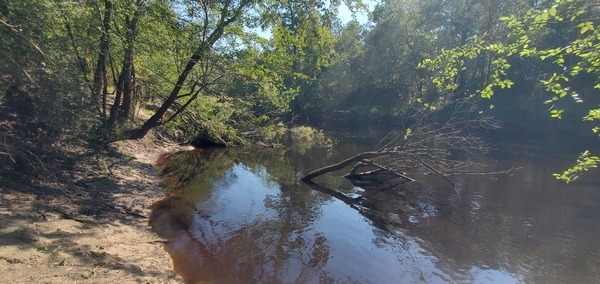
556	113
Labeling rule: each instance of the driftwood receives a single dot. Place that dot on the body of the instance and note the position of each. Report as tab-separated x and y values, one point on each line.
443	149
340	165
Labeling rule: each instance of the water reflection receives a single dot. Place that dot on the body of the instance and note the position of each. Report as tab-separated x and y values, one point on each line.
234	217
235	223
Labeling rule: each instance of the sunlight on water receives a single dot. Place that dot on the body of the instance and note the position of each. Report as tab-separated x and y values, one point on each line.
245	218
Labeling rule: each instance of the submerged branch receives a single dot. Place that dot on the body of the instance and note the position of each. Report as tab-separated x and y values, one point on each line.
390	170
433	146
340	165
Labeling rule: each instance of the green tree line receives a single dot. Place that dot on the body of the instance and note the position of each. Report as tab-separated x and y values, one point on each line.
228	67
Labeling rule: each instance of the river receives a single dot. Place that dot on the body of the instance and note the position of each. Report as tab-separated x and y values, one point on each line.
233	216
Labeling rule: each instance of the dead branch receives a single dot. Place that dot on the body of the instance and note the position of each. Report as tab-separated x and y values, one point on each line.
379	168
14	29
442	149
340	165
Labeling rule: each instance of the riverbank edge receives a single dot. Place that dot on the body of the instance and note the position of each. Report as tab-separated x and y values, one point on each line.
92	228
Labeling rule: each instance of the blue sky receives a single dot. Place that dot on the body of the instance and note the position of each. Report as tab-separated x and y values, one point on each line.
362	17
343	13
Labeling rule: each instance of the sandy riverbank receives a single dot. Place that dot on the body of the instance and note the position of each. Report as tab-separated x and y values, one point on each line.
91	229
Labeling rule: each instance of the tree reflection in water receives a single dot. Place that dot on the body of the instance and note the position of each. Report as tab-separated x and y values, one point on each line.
209	242
252	221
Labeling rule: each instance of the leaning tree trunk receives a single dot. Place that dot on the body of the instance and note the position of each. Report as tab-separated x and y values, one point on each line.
155	120
202	50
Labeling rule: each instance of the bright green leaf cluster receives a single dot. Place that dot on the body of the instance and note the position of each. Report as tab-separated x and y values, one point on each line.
579	56
585	162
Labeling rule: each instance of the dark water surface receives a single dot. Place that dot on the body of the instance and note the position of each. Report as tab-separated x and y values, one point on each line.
234	217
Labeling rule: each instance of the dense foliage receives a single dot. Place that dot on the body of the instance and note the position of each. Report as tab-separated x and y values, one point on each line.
562	43
235	69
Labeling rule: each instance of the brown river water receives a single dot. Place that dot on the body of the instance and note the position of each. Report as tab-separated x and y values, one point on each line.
231	216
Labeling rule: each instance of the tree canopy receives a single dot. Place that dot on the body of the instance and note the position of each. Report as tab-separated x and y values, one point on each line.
562	39
110	70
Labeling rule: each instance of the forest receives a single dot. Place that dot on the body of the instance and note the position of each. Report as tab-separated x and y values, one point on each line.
111	112
237	71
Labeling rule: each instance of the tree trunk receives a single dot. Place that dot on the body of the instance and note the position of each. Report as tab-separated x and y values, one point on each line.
121	109
128	90
128	68
156	119
100	72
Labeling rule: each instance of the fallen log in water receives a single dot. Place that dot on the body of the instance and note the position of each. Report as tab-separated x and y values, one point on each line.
446	150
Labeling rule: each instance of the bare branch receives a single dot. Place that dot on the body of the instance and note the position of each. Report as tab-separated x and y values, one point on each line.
340	165
443	149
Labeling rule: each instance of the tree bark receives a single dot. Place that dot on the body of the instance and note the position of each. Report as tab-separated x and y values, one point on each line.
128	90
121	108
380	168
100	72
128	68
341	165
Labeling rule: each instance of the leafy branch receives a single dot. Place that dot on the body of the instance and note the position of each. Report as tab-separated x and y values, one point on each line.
577	57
